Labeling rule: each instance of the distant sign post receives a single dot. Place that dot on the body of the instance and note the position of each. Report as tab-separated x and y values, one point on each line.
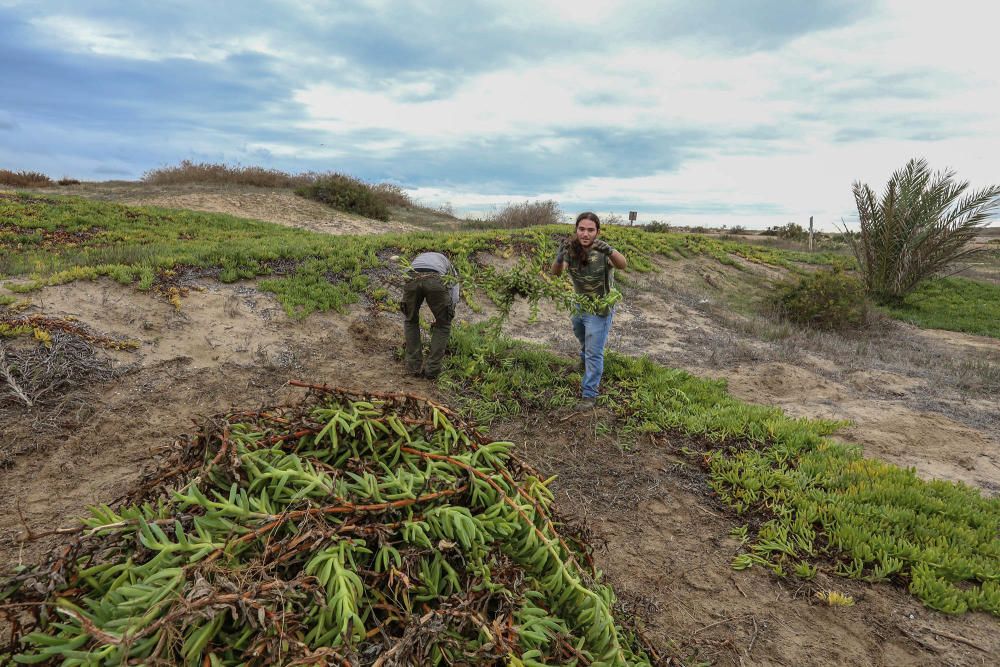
632	217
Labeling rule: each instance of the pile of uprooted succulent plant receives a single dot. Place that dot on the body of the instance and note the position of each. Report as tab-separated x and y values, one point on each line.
347	529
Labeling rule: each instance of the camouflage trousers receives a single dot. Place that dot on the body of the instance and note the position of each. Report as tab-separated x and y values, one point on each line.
431	288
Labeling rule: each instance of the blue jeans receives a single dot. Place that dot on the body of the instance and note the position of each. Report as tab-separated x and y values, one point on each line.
592	332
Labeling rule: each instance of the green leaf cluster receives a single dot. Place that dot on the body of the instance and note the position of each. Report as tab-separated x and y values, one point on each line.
922	223
343	525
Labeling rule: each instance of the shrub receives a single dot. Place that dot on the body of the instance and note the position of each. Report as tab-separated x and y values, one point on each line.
24	179
189	172
825	300
921	224
656	226
347	194
526	214
68	181
791	231
393	195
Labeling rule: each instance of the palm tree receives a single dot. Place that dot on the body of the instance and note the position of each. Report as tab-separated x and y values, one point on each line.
920	226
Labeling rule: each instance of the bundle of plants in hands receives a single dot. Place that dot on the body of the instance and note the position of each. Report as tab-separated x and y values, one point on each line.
348	529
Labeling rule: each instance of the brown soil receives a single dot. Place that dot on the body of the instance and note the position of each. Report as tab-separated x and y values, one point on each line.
666	541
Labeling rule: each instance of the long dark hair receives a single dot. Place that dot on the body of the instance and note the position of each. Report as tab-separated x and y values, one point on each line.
581	254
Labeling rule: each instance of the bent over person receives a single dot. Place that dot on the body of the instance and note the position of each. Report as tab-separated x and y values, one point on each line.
426	281
591	263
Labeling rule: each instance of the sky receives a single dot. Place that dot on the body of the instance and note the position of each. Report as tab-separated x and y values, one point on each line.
694	112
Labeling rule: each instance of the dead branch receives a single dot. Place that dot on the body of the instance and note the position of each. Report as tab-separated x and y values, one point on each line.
8	376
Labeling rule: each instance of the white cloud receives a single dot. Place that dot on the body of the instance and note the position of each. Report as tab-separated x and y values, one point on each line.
131	42
634	89
913	78
800	172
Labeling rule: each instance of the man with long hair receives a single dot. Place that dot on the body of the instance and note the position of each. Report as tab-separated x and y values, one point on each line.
591	263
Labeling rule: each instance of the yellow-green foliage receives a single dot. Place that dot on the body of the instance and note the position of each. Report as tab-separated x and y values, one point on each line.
8	330
134	245
821	503
835	599
955	304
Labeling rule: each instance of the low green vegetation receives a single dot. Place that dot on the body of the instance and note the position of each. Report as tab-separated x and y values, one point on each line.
55	240
954	304
816	503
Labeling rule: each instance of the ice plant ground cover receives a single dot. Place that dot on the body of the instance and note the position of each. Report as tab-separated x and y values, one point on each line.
48	241
817	503
53	240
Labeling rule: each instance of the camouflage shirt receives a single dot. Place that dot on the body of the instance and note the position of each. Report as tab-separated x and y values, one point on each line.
589	278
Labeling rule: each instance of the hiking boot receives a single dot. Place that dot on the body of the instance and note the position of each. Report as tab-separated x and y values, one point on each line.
586	404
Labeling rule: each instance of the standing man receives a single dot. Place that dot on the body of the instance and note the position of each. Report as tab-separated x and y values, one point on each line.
426	280
591	263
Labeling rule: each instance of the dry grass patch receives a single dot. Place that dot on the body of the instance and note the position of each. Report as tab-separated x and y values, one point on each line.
24	179
518	216
204	172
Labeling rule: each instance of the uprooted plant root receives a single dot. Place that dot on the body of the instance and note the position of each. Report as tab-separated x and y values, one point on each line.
350	529
36	374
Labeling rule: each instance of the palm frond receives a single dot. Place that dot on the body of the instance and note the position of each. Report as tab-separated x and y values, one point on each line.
923	223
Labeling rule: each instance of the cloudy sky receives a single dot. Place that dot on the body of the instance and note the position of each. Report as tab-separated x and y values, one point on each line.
750	112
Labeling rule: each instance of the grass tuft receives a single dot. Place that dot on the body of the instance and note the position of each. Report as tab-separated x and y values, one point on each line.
520	216
24	179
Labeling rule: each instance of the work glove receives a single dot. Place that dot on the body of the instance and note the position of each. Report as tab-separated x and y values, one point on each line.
601	246
561	253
